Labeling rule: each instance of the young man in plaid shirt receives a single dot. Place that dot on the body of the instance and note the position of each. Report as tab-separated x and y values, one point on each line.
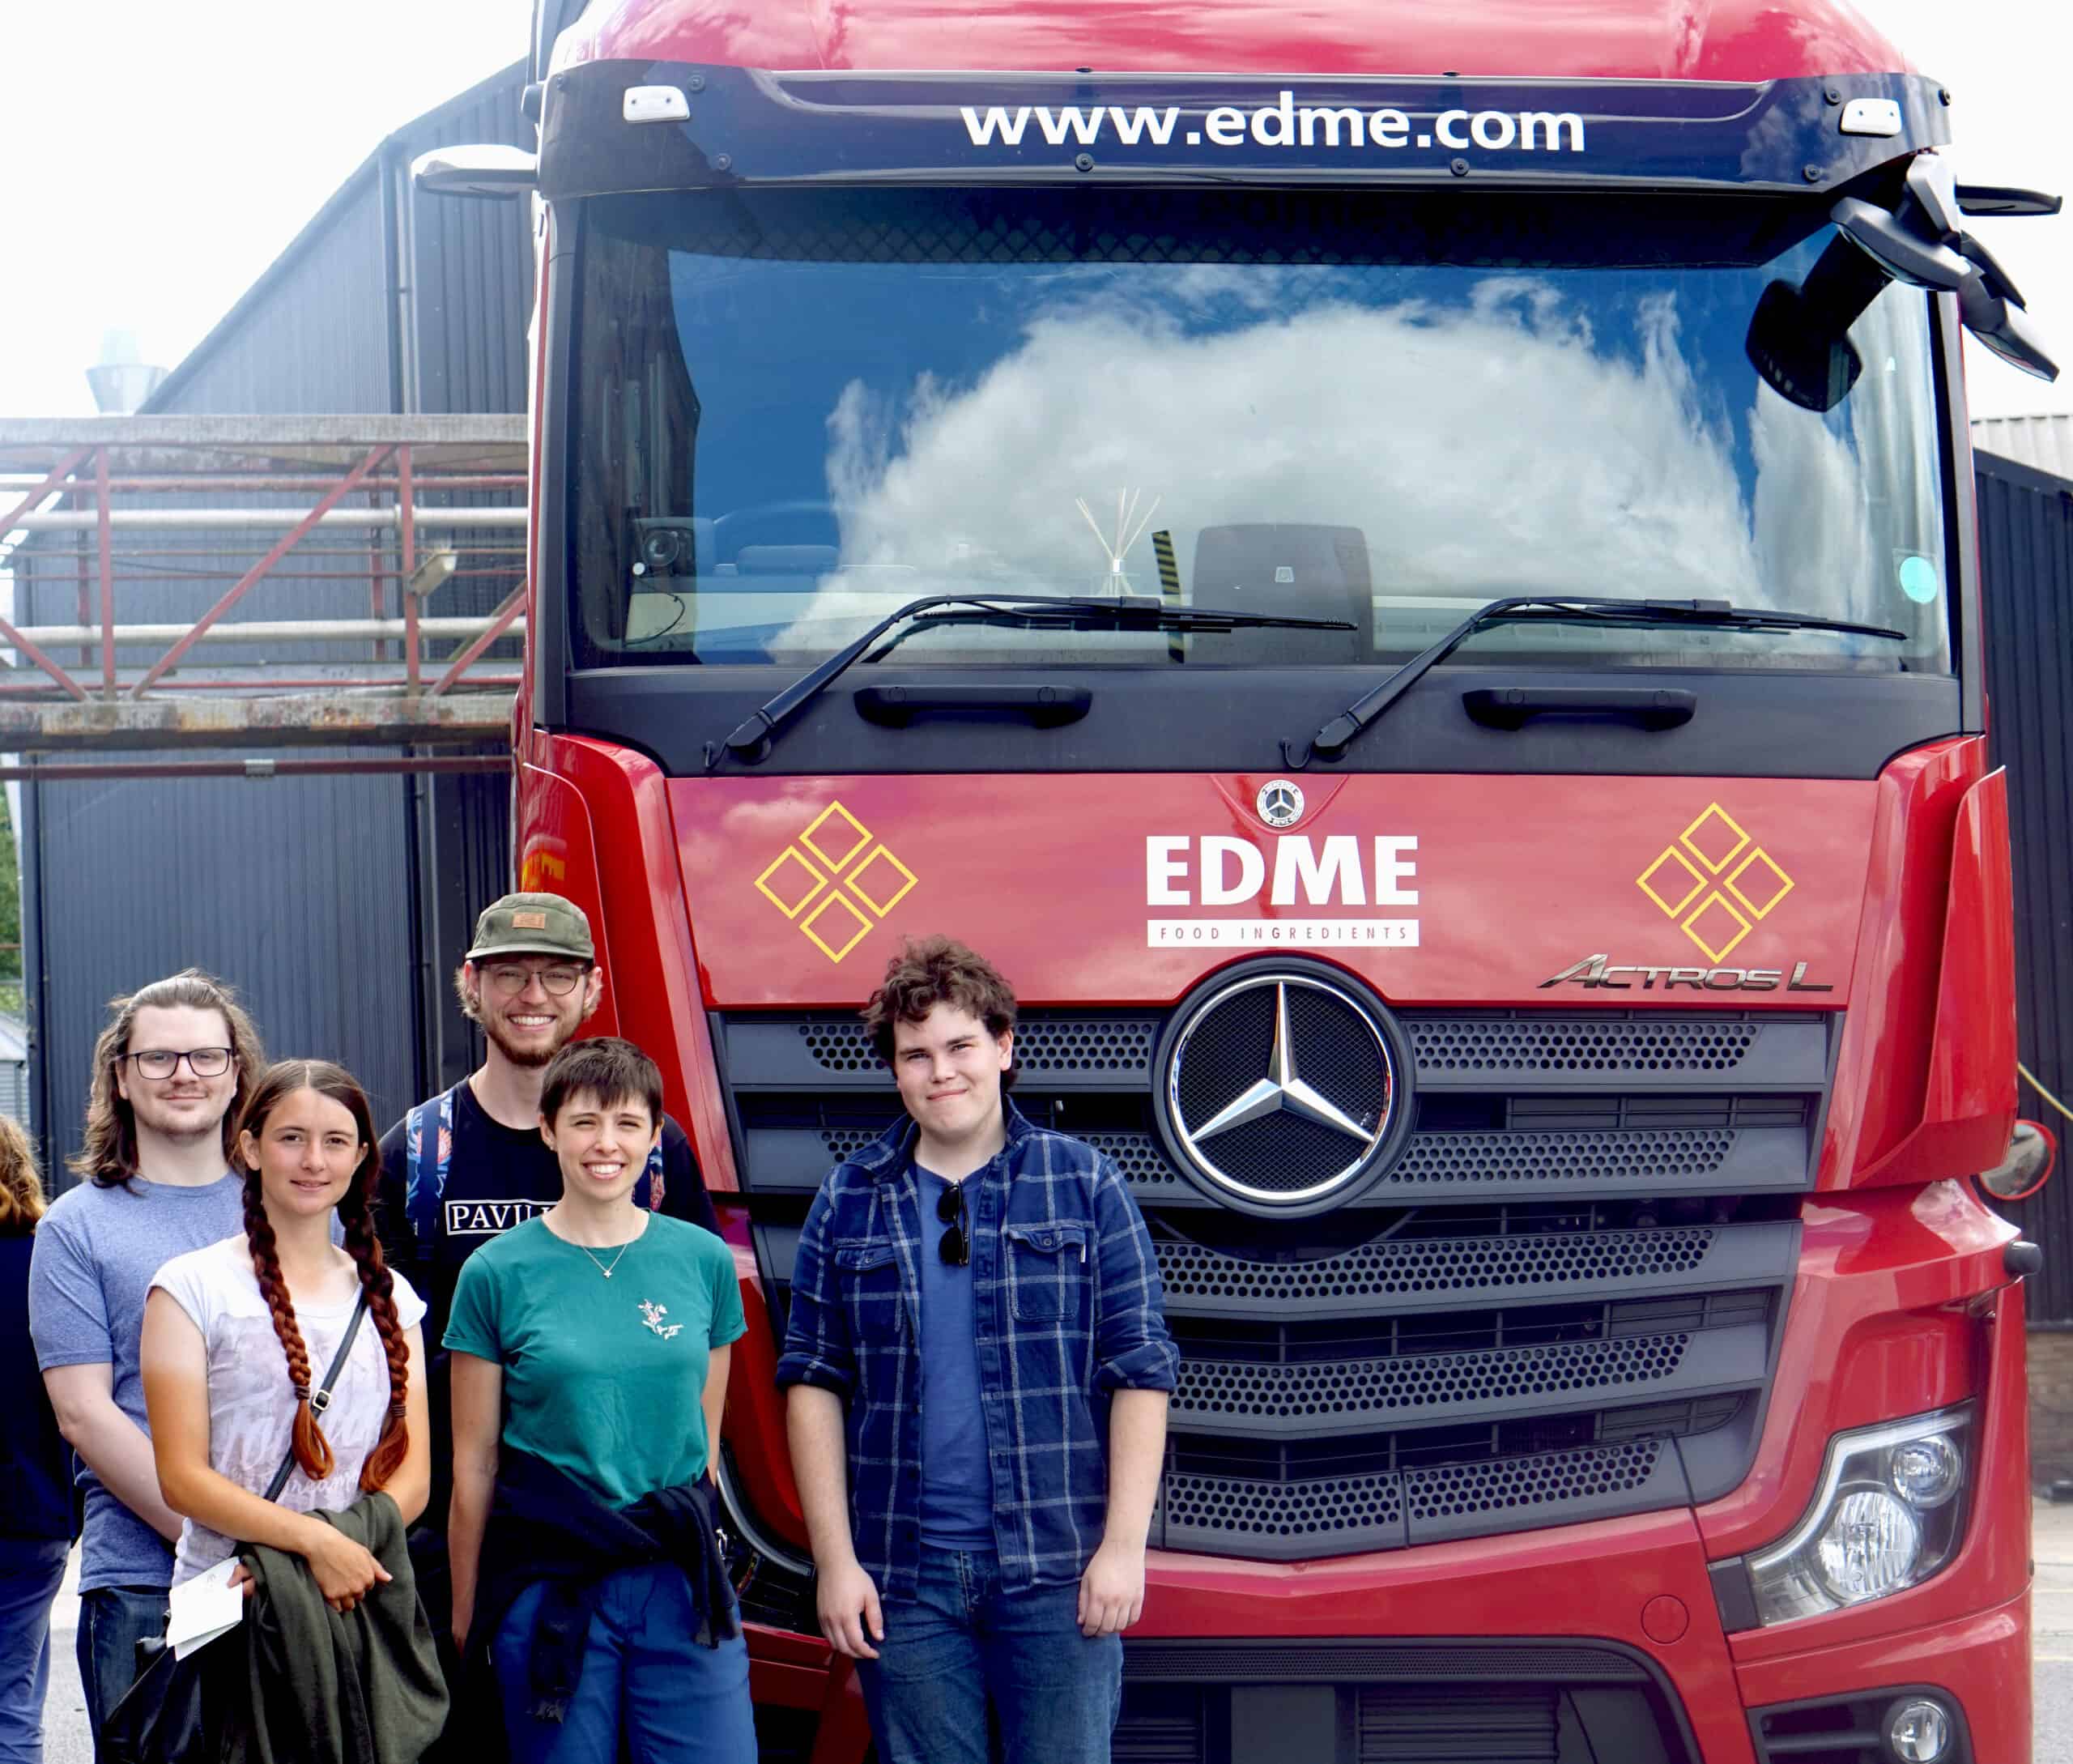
979	1365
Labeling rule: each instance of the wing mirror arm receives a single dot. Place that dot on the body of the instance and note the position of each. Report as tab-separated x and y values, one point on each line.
487	171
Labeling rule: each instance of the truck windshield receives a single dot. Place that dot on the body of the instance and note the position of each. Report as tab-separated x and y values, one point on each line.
796	409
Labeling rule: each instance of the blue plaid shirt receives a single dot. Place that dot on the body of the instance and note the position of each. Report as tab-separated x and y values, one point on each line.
1067	1296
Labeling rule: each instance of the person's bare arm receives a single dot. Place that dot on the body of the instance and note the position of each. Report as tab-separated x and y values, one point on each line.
714	1400
411	1487
176	1371
1112	1590
113	1447
476	1390
845	1595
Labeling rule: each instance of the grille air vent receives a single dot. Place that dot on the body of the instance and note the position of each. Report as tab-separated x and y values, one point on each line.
1259	1509
1580	1044
1661	1156
1459	1490
1378	1388
1041	1044
1437	1265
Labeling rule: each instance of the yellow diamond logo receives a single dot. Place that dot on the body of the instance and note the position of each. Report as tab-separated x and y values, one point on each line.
1671	881
849	880
1716	927
1759	884
836	927
1713	839
889	877
836	826
1716	881
789	883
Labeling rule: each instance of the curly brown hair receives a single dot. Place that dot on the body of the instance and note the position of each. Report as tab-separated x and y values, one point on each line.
313	1451
930	971
108	1155
21	1186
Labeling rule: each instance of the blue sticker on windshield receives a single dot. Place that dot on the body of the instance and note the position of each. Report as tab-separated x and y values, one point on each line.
1918	580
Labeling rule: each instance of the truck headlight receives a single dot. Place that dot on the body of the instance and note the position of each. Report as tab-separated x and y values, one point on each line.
1889	1513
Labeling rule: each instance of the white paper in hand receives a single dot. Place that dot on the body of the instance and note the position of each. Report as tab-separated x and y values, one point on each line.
204	1608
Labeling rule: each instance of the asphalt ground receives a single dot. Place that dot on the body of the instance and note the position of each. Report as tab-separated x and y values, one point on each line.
65	1740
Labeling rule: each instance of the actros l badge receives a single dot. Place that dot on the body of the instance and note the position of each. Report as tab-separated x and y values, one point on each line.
1279	803
1601	970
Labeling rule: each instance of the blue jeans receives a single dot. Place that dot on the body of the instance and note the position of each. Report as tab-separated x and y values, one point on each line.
962	1649
30	1569
112	1620
644	1677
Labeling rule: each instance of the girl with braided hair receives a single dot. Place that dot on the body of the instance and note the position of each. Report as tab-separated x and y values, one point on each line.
238	1338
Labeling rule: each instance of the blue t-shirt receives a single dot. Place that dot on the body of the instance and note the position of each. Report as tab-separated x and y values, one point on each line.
957	1476
95	1252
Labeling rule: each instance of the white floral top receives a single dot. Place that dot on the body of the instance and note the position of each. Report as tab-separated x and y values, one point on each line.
251	1400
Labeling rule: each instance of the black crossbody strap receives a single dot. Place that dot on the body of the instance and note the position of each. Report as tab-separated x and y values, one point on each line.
320	1399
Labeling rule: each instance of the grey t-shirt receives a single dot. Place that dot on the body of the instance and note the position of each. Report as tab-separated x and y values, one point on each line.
96	1250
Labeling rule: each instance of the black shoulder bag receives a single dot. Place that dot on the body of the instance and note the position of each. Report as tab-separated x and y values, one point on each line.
168	1716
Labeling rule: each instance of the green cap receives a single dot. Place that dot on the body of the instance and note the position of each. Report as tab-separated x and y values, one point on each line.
532	925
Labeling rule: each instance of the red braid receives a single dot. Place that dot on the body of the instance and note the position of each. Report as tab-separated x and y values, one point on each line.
313	1451
364	1247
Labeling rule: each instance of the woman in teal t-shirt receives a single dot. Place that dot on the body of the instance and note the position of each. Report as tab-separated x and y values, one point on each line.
589	1352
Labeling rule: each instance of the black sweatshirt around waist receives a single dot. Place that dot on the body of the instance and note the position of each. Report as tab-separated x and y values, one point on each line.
545	1526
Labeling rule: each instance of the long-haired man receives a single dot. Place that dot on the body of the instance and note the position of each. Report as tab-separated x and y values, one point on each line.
170	1072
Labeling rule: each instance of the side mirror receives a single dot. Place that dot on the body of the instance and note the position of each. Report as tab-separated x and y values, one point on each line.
2004	327
1801	355
477	171
1897	249
2004	202
2033	1154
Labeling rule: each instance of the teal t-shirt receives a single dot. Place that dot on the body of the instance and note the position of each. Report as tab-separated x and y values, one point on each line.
603	1378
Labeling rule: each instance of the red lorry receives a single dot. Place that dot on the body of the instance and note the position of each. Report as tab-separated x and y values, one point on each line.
1408	573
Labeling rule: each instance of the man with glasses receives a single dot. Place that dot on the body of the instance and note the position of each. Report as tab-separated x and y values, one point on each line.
172	1071
465	1166
978	1364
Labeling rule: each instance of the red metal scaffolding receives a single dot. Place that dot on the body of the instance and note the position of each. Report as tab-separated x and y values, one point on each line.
260	581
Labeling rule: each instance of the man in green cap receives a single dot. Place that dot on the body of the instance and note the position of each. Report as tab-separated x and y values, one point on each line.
466	1166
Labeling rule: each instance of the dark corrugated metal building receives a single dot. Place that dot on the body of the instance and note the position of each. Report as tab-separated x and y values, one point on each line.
337	905
2026	567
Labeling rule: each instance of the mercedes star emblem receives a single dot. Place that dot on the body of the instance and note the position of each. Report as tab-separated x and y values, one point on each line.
1280	802
1280	1087
1281	1090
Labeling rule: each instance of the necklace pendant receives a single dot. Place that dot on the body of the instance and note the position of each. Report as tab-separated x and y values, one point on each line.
608	1273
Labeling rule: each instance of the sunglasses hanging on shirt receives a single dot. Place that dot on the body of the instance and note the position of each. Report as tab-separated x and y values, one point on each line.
956	1247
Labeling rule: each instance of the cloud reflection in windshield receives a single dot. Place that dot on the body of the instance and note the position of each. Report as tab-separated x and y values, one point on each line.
1500	446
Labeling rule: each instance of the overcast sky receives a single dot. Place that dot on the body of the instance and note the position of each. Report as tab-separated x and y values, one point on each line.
157	157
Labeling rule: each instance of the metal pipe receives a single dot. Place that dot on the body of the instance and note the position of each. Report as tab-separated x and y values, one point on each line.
260	631
274	682
407	558
210	519
256	768
105	544
237	480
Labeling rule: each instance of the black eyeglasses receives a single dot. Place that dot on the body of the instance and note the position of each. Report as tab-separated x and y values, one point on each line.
956	1245
510	978
163	1062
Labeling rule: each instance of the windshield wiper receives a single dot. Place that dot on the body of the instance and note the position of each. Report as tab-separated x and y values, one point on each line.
1338	734
750	741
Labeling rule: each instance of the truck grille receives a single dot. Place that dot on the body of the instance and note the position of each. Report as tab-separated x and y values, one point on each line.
1560	1302
1405	1702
